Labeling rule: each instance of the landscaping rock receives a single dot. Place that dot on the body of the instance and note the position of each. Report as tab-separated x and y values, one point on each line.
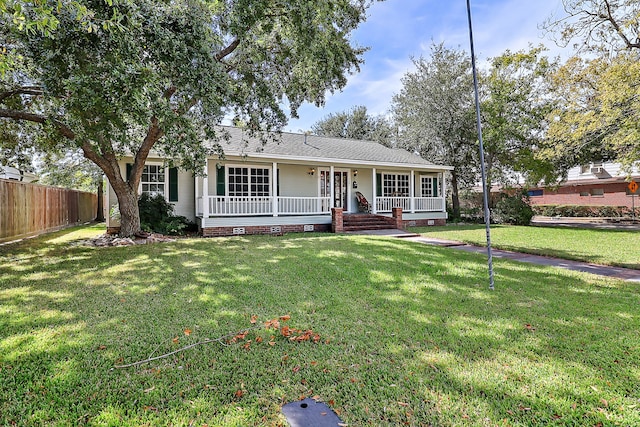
114	240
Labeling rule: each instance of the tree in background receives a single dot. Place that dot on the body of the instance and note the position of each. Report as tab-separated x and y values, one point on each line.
597	105
168	72
598	25
435	113
72	170
515	105
356	124
597	113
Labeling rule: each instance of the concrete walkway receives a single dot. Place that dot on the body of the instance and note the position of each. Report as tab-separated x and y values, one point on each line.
627	274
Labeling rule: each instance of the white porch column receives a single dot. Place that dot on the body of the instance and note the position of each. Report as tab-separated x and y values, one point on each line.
274	189
443	195
333	187
374	202
205	190
412	192
197	190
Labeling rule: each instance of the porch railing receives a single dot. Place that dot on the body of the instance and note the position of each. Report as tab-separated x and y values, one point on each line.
219	205
304	205
385	204
420	204
251	206
428	204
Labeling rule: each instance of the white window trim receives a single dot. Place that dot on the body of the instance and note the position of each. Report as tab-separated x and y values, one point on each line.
396	174
431	177
165	193
249	166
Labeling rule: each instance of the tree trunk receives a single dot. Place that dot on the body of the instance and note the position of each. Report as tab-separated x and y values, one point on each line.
100	212
129	212
455	198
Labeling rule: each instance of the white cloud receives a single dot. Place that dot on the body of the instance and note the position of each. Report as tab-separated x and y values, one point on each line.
400	29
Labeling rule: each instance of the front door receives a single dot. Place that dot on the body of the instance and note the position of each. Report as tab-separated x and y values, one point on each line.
340	181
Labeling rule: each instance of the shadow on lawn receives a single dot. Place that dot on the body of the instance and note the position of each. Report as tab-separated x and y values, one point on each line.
405	323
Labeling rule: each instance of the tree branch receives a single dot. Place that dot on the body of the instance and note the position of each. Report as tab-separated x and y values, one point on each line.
25	90
63	129
228	50
207	341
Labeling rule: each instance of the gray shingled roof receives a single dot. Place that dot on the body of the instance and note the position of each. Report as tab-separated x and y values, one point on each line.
294	145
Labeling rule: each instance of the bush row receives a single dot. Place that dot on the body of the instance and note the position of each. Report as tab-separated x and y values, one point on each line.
582	211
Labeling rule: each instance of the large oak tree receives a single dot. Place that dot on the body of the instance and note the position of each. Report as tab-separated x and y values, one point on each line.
434	113
161	75
597	111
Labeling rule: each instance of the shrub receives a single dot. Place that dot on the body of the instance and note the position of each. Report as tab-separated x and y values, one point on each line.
156	215
513	209
582	211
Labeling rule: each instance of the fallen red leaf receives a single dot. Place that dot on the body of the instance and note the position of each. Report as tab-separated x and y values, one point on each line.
254	319
176	340
187	332
239	393
285	317
102	347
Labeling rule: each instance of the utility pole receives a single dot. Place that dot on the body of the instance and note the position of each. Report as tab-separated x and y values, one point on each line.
485	191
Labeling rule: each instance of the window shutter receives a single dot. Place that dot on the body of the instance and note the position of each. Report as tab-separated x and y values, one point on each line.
128	173
436	189
378	185
173	184
278	183
220	181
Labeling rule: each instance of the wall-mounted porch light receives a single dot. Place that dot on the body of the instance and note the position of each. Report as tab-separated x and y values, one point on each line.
312	171
355	172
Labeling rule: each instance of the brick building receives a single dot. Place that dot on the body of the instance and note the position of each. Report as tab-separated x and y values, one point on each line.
595	184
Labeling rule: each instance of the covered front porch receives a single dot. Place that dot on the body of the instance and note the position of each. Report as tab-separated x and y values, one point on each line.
239	193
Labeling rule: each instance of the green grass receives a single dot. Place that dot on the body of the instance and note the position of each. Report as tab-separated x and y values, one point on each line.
607	247
410	335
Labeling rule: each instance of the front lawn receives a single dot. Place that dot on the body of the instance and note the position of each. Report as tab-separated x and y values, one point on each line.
408	335
607	247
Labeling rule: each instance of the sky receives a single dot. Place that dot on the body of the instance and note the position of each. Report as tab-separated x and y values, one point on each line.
398	30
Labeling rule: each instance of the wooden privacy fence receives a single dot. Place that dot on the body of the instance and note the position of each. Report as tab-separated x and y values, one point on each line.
27	209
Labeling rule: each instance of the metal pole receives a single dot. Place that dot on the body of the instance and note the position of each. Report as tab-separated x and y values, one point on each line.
487	218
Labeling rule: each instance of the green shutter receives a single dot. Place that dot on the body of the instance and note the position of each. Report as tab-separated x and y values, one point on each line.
173	184
129	167
220	182
435	187
378	185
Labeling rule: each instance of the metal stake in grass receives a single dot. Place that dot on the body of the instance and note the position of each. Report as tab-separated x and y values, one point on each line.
487	218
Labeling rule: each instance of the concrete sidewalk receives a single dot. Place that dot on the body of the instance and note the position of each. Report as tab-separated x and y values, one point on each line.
627	274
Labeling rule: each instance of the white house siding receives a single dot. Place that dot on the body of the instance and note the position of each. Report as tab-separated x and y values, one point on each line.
186	193
296	181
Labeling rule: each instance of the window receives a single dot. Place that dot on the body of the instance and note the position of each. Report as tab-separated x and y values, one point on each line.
429	186
395	185
249	182
153	179
597	192
535	193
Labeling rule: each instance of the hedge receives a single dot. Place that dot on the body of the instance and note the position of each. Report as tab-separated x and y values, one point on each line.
582	211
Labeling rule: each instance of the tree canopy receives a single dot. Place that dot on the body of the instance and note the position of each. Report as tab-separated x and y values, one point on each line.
167	74
356	124
515	104
596	112
597	25
434	112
